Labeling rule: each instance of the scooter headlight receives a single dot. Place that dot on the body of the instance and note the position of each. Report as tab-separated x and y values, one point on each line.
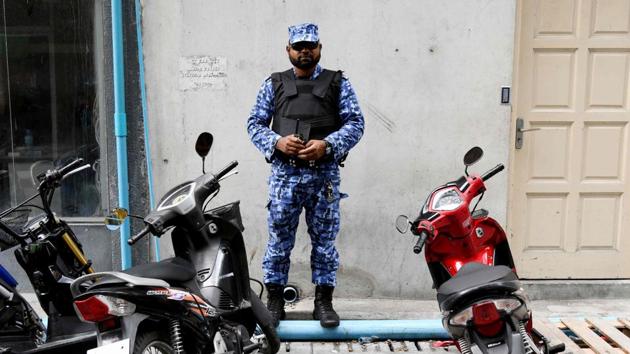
446	199
508	305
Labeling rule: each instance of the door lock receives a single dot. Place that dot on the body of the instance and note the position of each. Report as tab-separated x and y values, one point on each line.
519	132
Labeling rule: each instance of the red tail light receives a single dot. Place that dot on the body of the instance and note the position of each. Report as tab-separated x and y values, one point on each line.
92	309
99	308
487	319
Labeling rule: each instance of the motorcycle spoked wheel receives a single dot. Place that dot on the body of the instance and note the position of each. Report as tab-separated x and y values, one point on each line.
152	342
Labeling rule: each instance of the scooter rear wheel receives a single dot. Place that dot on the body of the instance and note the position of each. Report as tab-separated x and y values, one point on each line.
151	342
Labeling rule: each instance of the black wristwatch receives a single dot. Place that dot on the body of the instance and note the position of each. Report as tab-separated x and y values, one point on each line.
328	148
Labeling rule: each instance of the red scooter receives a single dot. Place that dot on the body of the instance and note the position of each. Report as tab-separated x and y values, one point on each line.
484	307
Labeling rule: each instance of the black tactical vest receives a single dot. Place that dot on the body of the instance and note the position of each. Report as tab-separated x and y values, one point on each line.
306	107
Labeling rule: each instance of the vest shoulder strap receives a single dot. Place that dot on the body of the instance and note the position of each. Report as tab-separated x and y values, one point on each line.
324	80
287	80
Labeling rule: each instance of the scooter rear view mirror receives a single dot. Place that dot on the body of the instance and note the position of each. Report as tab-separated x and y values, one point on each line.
473	155
402	224
116	218
203	144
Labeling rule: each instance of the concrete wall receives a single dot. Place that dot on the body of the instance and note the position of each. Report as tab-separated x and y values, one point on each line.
428	76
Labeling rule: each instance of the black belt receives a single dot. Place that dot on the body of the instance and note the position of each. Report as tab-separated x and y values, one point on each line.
297	162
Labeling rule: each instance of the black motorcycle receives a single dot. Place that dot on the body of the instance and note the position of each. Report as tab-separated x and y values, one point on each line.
52	257
200	301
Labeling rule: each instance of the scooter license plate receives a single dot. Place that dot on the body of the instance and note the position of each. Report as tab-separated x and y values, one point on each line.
120	347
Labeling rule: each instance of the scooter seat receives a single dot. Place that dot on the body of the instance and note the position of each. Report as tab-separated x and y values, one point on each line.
474	280
172	270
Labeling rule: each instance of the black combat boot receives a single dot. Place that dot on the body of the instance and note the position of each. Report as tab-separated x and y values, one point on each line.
275	302
324	311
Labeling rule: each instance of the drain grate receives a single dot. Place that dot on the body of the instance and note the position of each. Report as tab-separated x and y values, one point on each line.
361	348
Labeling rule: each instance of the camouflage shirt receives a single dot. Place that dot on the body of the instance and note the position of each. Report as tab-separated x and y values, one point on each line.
341	141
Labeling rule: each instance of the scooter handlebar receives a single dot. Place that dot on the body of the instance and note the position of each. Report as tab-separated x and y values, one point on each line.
76	170
54	176
226	170
211	181
135	238
69	167
493	171
417	248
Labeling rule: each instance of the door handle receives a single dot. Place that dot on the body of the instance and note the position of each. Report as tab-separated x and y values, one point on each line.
519	132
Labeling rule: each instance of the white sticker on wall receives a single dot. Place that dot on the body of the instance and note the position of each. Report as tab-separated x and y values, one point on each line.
202	72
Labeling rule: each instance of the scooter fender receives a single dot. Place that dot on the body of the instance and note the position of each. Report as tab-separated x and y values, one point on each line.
520	314
511	343
130	325
128	329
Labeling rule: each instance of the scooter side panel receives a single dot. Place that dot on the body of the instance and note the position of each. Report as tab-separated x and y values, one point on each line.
484	256
480	247
225	281
156	301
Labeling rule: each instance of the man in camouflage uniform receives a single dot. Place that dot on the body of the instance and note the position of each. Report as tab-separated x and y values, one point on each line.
315	120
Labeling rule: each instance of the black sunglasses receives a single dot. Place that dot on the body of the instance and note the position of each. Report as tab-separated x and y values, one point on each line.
298	46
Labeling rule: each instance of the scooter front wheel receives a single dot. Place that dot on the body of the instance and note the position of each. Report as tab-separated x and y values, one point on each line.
264	320
152	342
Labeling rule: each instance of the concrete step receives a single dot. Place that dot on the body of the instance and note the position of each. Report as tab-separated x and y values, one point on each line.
389	309
577	289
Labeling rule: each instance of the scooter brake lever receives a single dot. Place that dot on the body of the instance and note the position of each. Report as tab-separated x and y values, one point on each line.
235	172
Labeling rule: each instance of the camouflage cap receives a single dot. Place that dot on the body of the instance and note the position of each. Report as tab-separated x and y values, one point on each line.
305	32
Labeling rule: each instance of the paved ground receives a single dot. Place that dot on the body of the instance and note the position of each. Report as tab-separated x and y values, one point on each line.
362	309
387	309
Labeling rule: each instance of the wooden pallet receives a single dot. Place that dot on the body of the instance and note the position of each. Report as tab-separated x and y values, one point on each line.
587	335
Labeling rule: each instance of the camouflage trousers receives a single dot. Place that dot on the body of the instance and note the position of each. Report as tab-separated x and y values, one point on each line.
292	189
